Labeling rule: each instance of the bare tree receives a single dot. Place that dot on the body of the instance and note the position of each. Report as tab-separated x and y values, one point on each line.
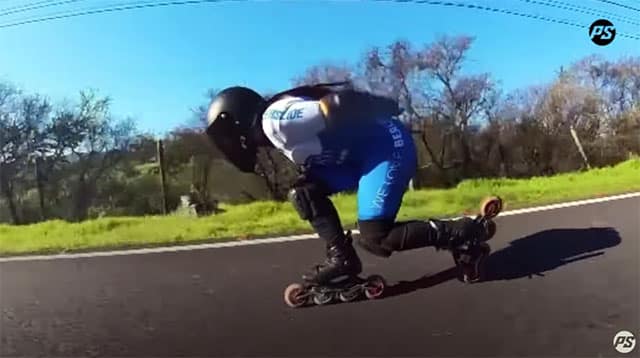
327	73
23	144
104	144
437	98
461	100
11	154
34	114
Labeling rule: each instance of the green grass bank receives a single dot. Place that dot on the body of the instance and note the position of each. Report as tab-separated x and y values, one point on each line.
260	219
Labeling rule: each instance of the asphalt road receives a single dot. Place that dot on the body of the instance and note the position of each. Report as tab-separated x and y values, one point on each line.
561	283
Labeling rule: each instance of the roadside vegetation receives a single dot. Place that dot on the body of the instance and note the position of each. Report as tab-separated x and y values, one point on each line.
264	218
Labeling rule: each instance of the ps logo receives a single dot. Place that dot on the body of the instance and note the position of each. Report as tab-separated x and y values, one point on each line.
624	342
602	32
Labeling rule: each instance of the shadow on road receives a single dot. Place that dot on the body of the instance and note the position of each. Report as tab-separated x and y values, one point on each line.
528	256
548	250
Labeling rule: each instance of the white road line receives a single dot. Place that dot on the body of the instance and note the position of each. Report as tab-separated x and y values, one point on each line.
284	238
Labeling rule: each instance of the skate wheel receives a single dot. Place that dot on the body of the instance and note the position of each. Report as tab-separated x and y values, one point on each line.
460	268
471	280
466	279
456	258
348	296
375	287
485	250
491	207
491	229
294	295
322	298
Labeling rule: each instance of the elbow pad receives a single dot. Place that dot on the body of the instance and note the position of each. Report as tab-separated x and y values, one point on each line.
350	105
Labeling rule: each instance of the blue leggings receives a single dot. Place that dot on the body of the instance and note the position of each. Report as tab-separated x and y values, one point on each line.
381	170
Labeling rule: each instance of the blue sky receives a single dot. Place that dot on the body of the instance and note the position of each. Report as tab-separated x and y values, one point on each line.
157	63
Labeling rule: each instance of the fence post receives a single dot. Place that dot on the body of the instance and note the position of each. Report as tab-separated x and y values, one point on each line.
163	182
574	134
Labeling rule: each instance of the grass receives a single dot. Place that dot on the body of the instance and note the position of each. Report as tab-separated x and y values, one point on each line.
260	219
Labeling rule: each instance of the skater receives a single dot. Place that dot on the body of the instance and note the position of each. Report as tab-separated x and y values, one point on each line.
341	139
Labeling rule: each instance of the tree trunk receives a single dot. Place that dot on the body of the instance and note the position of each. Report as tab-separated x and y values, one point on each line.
40	187
7	191
505	167
163	178
434	159
81	200
272	183
466	156
8	195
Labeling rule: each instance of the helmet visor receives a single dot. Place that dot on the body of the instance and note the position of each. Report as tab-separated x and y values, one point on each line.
242	157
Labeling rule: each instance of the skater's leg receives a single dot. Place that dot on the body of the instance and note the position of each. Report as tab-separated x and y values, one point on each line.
311	201
386	175
386	172
313	204
382	237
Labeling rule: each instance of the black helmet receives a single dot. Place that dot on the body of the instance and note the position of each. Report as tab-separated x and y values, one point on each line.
231	117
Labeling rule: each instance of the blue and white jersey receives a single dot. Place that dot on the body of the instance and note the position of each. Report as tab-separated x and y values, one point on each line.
376	156
297	127
293	125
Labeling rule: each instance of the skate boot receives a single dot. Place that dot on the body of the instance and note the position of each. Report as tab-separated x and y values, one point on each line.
337	278
461	232
342	263
465	238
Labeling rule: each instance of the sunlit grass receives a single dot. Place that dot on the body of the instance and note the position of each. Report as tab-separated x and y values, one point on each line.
260	219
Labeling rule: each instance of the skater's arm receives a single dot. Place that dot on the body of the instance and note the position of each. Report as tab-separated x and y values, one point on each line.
350	105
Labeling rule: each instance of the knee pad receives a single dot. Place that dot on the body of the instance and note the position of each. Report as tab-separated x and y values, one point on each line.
373	236
310	201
